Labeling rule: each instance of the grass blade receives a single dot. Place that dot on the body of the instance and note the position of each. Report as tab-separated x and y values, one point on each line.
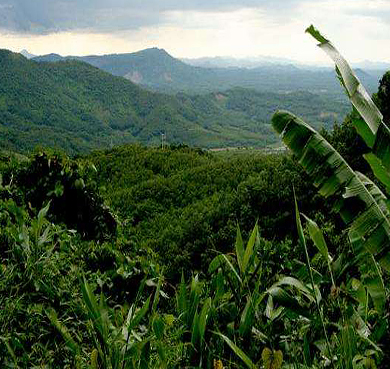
241	354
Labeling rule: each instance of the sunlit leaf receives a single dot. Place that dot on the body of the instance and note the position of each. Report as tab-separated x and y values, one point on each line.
272	359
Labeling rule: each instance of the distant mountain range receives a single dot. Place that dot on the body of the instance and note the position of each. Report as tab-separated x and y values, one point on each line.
157	70
260	61
230	62
77	107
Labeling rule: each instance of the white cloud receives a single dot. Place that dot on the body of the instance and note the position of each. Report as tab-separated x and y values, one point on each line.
357	27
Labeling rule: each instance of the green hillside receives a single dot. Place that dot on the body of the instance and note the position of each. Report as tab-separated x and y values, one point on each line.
77	107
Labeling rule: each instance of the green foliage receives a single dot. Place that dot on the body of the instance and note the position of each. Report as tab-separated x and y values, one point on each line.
347	142
333	177
184	204
76	107
363	206
36	274
74	200
382	97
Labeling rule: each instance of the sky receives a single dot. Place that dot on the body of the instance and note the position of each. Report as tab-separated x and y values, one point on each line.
360	29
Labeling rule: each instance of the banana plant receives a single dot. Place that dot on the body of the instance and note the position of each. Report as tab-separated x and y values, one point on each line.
366	215
371	127
360	203
367	218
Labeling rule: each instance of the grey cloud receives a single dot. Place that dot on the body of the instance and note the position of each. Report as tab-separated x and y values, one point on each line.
48	16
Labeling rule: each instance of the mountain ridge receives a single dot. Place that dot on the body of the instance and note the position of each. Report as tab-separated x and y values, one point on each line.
78	107
157	70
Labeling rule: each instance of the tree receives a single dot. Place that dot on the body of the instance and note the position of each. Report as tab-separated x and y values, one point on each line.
382	97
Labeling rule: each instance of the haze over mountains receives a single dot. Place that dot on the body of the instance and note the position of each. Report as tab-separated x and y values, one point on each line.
157	70
253	62
230	62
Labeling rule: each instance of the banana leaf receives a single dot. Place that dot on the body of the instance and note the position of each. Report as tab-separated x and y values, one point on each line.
371	128
364	211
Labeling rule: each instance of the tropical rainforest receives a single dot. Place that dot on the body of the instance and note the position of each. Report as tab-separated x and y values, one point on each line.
116	252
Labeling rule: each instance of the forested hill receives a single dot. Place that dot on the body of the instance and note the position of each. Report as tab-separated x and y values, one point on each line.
77	107
156	69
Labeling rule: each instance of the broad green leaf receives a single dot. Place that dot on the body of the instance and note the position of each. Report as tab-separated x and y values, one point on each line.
231	267
156	296
194	299
319	241
158	327
378	169
90	300
161	350
239	248
195	338
360	326
348	345
40	219
270	312
216	263
358	292
316	34
247	317
285	299
333	176
272	359
250	248
134	321
364	131
145	356
99	319
372	128
356	92
293	282
219	262
317	237
377	292
94	359
10	351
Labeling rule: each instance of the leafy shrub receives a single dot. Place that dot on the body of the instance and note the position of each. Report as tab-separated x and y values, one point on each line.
74	200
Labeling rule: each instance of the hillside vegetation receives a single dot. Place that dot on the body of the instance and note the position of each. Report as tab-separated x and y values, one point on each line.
76	107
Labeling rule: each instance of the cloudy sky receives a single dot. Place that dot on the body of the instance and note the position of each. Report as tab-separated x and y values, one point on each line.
194	28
